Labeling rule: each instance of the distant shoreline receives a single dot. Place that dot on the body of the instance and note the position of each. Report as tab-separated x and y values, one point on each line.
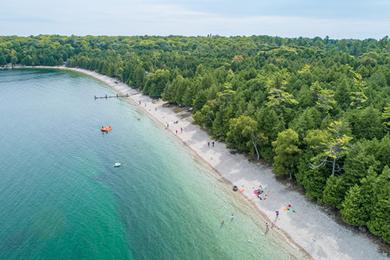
313	242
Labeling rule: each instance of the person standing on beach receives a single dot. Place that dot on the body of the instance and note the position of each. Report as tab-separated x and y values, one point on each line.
208	144
176	131
181	129
231	217
212	143
276	215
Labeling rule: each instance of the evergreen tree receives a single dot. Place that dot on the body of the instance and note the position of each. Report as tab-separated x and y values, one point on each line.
386	116
379	223
269	124
358	204
352	210
286	153
242	135
366	123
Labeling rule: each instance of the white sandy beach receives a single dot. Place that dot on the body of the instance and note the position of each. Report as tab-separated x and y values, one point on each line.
309	226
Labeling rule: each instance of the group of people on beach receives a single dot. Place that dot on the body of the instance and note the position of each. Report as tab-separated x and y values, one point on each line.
260	193
167	124
177	130
181	130
288	208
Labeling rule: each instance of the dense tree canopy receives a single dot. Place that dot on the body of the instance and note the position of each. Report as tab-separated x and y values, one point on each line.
317	109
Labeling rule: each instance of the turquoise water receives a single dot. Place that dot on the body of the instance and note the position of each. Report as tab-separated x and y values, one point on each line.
60	197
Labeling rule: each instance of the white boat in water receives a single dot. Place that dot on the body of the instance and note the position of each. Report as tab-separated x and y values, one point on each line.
117	164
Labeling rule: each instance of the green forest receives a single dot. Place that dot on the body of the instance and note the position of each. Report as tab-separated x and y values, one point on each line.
317	110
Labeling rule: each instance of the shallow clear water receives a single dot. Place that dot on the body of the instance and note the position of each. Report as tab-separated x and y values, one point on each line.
60	197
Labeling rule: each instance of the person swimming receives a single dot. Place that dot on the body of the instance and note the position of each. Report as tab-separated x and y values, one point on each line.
222	223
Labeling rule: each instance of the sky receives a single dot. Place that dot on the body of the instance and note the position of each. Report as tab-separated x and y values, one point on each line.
288	18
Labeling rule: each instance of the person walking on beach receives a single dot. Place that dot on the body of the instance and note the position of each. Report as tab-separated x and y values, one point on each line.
181	129
212	143
276	218
208	144
231	217
176	131
266	228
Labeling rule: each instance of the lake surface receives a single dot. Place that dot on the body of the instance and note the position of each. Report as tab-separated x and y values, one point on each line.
61	197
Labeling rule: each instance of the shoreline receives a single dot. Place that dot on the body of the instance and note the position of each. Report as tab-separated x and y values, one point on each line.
310	231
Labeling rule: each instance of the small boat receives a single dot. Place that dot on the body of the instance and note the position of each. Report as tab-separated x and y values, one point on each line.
106	129
117	164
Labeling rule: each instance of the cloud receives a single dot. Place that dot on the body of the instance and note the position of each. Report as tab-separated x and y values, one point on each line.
134	17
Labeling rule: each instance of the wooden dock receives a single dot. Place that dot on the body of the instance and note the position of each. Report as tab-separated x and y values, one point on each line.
107	96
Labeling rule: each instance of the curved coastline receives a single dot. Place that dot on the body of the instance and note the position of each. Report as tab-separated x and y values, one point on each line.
313	233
